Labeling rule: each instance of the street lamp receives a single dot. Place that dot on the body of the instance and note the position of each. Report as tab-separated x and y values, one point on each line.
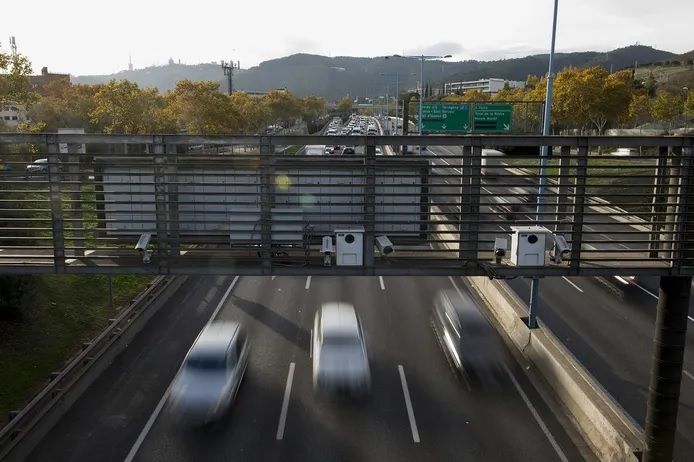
397	92
421	58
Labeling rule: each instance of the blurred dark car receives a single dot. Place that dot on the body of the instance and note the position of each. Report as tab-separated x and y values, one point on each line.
467	338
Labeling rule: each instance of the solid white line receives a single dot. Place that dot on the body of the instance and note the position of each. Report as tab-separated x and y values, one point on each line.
690	318
152	418
285	402
688	374
574	285
408	404
537	417
645	290
380	281
308	282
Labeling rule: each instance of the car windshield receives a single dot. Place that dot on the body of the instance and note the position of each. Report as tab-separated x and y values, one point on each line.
206	361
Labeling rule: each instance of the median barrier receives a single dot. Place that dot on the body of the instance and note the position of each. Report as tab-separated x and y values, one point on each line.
609	431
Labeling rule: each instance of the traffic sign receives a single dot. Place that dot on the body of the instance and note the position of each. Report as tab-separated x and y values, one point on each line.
492	118
445	117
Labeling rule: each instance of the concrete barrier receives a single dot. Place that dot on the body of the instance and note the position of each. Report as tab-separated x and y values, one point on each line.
609	431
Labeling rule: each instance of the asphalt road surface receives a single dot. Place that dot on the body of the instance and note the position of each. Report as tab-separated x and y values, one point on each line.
124	415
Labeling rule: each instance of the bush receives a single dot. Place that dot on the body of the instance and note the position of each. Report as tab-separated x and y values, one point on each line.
14	294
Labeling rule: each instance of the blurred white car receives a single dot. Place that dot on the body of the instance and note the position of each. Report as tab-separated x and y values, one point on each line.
209	378
38	166
338	349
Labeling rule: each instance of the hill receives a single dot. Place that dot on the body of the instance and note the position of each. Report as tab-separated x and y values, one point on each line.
334	77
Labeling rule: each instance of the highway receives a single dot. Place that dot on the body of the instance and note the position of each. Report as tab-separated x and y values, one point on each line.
607	323
124	415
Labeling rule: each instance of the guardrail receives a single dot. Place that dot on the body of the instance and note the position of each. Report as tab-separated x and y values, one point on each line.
83	210
41	413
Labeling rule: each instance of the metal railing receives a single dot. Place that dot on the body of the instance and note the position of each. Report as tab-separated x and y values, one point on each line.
262	211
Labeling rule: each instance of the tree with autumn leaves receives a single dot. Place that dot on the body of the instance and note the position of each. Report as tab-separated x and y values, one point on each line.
593	98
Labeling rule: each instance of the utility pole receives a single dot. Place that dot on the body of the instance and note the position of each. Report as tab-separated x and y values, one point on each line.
229	68
544	153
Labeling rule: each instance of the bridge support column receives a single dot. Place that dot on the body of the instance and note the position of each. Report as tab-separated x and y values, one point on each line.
666	368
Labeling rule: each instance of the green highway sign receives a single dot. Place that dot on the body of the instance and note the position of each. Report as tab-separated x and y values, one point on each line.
492	118
445	117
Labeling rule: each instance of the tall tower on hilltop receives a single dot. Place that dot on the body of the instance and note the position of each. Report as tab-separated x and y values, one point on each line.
130	63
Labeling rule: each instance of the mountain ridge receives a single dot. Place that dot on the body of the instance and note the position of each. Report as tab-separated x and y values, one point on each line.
333	77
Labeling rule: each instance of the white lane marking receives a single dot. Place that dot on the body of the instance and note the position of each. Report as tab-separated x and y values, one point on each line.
537	417
687	373
285	402
308	282
501	227
157	410
690	318
273	277
380	281
529	218
622	280
450	278
408	404
574	285
645	290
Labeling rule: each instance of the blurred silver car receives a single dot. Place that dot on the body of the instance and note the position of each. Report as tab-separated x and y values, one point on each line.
466	336
338	349
38	166
211	373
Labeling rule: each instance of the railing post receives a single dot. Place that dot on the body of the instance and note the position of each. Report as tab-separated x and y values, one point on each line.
369	203
75	186
563	200
160	206
57	221
683	249
465	250
579	205
172	199
658	207
673	186
472	204
266	199
666	368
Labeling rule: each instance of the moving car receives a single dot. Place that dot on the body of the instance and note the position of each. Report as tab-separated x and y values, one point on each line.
468	340
348	150
209	378
38	166
338	350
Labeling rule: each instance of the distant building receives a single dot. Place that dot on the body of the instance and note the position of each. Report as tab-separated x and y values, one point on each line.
12	114
489	86
260	94
40	82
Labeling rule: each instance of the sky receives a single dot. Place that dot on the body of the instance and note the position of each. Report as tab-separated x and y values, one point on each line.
96	37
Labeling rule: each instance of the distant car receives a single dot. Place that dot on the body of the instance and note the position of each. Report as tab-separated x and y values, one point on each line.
379	152
38	166
464	334
209	378
348	150
329	149
338	350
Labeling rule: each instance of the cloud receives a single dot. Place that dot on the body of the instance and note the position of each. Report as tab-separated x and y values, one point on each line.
438	49
301	45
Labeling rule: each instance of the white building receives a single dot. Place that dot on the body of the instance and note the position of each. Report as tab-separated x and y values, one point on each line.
12	114
489	86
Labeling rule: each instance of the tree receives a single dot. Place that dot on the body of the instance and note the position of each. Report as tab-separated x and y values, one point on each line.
283	106
666	107
651	85
470	95
313	108
14	79
639	111
345	104
689	103
253	116
122	107
199	107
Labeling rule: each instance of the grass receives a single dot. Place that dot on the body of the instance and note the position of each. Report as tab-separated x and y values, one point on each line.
66	311
620	179
291	150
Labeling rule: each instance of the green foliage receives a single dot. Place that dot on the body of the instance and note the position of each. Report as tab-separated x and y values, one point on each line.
199	107
345	104
14	292
123	107
14	79
666	106
689	103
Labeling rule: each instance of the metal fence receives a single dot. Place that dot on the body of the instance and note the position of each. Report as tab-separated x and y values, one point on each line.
261	211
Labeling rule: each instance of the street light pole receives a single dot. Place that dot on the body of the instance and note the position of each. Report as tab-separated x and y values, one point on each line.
544	152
